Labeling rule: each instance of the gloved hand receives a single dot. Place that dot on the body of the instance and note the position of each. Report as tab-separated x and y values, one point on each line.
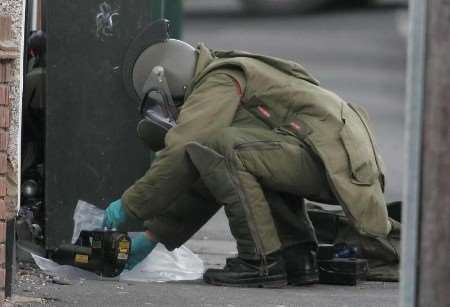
115	215
141	247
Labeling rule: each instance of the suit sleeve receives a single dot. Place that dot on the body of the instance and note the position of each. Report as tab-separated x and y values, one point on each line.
211	106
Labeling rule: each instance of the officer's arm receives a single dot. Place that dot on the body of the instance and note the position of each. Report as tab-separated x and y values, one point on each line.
211	106
31	84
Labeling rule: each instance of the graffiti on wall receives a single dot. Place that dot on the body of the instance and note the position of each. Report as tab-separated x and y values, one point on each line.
106	20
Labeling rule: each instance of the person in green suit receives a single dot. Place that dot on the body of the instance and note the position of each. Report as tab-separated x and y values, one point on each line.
33	108
258	135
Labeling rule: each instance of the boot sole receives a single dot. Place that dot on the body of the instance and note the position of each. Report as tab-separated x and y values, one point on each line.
273	282
303	279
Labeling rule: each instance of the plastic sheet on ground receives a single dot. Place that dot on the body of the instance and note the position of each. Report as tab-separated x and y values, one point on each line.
160	266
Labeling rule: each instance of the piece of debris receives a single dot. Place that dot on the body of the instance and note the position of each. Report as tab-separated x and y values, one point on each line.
59	281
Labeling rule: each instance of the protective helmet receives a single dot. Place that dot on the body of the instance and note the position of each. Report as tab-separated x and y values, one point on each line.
177	58
37	42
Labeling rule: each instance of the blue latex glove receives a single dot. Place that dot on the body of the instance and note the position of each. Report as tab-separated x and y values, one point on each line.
141	247
115	215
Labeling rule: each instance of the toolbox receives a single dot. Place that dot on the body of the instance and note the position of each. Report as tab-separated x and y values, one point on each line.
342	271
336	269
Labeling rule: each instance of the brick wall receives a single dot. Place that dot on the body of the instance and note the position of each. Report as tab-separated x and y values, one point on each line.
8	183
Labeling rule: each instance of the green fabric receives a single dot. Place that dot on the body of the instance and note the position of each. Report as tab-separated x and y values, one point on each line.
323	151
235	163
210	108
181	219
33	117
336	131
225	183
34	93
168	194
291	221
171	218
178	223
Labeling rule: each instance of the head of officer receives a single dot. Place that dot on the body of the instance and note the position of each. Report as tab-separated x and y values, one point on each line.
174	59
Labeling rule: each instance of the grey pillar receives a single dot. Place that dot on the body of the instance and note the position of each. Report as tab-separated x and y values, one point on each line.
425	279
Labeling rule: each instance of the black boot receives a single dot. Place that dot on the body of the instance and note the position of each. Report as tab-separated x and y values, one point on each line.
253	274
301	264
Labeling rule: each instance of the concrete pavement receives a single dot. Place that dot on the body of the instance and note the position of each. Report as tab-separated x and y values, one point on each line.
38	289
112	294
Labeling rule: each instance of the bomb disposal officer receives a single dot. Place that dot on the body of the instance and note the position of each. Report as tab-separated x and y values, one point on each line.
252	132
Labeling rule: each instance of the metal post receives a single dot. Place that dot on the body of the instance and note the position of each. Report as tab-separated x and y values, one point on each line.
163	8
411	189
426	238
433	279
172	10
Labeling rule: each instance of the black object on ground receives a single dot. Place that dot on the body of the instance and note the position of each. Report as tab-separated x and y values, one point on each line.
102	252
337	269
342	271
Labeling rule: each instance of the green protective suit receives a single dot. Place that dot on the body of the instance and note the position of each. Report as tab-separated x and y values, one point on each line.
33	117
252	124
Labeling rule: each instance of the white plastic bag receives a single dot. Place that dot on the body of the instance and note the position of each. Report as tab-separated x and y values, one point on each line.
63	271
160	266
86	217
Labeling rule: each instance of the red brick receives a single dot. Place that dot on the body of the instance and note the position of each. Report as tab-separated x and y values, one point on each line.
3	186
3	163
3	71
7	211
5	27
2	254
4	140
11	207
6	71
4	117
2	232
4	94
4	211
9	72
